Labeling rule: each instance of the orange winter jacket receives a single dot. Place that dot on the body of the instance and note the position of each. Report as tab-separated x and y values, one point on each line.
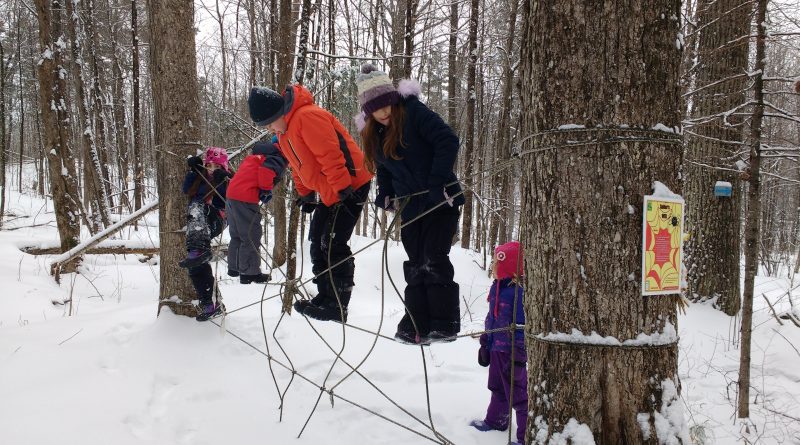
323	156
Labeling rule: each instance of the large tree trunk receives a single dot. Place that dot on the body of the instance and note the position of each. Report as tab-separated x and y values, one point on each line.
611	67
469	131
118	105
712	252
752	232
55	118
176	106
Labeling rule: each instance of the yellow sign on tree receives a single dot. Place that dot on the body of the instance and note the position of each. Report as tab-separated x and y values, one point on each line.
662	245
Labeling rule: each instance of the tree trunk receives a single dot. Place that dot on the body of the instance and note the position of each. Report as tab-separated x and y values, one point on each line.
138	171
118	105
615	66
752	231
411	21
469	133
98	160
55	115
224	54
396	63
3	143
505	202
712	251
176	107
452	69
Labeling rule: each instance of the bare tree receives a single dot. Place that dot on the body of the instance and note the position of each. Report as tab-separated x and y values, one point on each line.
54	112
596	79
138	171
469	131
753	215
176	103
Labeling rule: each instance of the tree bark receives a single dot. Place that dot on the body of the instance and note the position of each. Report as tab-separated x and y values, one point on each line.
752	231
469	132
712	251
452	69
612	65
176	107
55	118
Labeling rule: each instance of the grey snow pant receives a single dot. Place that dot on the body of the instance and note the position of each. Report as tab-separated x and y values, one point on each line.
244	225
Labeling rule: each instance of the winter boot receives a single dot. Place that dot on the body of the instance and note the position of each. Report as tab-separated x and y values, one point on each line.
301	305
327	311
410	338
481	425
441	337
233	273
257	278
208	310
196	258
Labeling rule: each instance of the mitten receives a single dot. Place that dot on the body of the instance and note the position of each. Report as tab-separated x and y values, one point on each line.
307	203
265	196
347	194
219	175
194	162
483	356
437	195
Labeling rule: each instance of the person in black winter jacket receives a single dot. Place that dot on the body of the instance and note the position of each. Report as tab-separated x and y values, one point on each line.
413	153
205	185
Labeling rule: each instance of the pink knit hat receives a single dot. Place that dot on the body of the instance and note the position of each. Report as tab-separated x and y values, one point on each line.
217	155
509	260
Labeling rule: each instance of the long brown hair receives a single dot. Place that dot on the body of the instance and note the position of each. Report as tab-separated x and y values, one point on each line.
392	139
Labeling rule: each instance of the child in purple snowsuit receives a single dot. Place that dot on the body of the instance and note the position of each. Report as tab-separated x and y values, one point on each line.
496	347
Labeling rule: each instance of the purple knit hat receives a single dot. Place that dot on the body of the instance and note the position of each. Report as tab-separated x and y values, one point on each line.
375	89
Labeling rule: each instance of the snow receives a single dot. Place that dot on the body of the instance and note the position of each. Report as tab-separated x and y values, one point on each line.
571	127
662	191
669	335
114	372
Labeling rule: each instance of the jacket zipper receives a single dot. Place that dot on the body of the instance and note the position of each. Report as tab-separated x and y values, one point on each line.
291	147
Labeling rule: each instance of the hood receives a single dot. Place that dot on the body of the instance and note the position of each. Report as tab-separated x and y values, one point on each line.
300	98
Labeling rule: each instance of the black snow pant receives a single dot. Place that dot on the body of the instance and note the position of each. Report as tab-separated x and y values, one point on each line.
431	295
244	226
205	223
329	233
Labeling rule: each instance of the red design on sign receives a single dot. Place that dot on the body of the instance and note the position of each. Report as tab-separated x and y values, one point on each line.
662	247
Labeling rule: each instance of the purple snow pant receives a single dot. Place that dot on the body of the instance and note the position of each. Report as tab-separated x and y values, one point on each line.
500	386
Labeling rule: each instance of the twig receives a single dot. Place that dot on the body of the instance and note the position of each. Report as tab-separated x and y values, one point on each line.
787	341
73	335
772	309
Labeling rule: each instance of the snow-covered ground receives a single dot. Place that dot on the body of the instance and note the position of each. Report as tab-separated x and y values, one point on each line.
113	372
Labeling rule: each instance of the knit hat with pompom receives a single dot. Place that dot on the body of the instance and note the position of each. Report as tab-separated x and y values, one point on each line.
375	89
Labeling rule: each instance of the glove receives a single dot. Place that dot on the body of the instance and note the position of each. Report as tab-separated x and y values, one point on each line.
307	203
194	162
437	195
347	194
265	196
483	352
219	175
483	356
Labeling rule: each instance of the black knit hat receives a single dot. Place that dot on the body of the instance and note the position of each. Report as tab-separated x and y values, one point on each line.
266	105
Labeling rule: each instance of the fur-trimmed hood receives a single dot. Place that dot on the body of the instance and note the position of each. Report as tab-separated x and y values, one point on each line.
406	87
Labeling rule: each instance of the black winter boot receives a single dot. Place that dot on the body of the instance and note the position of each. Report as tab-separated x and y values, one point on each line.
328	311
259	278
301	305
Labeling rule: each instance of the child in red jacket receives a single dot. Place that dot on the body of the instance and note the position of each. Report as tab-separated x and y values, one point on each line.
251	184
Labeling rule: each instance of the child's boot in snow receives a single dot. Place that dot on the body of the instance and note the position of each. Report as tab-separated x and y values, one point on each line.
196	258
